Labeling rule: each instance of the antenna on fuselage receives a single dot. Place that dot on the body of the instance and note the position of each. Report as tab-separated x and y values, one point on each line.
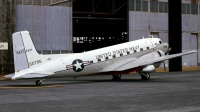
151	36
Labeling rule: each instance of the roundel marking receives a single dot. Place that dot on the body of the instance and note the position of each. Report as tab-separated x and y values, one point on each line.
78	65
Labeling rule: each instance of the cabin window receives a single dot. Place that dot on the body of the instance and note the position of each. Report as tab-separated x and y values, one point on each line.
106	58
160	42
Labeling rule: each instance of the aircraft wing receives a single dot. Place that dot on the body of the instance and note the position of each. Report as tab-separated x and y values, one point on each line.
115	64
144	62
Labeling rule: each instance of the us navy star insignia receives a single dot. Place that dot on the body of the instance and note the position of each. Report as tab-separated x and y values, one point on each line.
77	65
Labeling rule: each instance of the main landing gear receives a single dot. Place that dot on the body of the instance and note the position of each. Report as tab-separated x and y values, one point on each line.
145	76
116	77
38	82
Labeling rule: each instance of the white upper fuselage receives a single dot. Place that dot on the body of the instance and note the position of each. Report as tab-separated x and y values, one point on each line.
142	55
96	61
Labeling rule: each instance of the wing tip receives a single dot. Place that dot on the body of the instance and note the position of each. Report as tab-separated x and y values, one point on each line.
194	51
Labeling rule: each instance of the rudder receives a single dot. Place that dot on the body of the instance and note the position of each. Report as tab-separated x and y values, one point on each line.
25	54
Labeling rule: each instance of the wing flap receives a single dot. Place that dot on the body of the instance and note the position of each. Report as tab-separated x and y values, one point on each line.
114	64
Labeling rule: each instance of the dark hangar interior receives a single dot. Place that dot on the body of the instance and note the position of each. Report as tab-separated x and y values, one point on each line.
99	23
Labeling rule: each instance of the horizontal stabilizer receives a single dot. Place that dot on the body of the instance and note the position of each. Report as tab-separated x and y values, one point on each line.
43	72
9	75
37	74
33	75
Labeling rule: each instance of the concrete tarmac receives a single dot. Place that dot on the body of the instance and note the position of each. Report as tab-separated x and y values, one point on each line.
165	92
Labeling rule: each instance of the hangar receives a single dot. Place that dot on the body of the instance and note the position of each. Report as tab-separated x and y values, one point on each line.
66	26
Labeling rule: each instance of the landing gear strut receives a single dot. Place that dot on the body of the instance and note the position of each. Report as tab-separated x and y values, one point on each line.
116	77
145	76
38	82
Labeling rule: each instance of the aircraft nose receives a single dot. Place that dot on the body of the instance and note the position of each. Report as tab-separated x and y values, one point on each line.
167	45
166	48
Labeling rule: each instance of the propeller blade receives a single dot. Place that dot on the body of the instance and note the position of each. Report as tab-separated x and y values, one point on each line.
164	66
167	52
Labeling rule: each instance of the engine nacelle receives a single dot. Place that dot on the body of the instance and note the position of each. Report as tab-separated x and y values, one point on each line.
150	56
149	68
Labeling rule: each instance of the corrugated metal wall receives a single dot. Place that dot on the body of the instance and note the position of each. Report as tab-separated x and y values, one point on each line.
155	21
189	42
7	27
138	25
49	26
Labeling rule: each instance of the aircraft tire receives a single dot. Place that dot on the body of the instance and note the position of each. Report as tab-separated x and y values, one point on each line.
116	77
145	76
38	82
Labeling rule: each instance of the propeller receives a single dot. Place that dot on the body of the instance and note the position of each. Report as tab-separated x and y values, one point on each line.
164	66
166	53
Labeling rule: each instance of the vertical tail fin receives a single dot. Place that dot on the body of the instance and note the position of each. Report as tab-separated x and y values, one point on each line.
25	54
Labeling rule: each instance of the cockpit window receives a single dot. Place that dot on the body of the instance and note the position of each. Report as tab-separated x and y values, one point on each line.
160	42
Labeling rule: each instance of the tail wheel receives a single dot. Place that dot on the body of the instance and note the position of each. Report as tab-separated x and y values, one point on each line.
145	76
116	77
38	82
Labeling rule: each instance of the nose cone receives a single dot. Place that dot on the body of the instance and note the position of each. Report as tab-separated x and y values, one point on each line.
165	48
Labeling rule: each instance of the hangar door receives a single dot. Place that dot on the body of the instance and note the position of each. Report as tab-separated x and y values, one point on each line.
98	23
189	42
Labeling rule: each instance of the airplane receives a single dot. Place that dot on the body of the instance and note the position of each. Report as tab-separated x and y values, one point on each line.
142	56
